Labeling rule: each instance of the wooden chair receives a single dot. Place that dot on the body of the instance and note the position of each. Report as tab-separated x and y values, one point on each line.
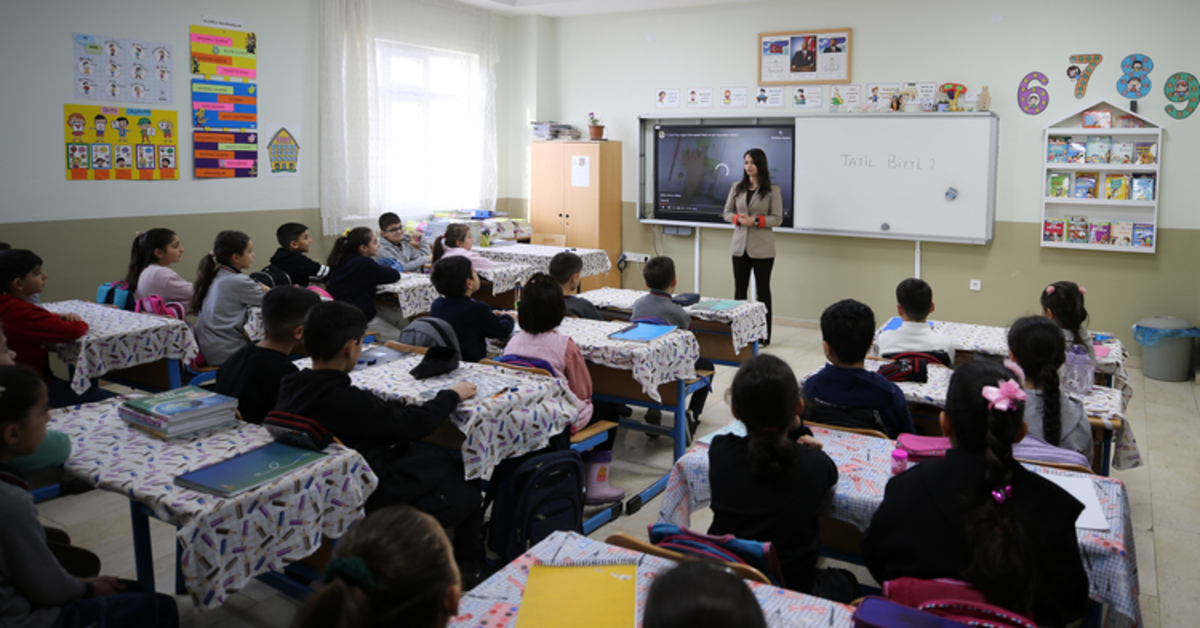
403	348
515	367
620	539
852	430
1077	468
550	239
592	435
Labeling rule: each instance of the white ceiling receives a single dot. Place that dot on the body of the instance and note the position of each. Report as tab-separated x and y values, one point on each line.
572	8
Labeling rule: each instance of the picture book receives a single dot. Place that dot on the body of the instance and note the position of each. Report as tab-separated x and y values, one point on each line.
1077	229
1056	151
1059	185
1143	234
642	332
1147	152
1053	230
1117	188
249	470
1098	147
181	404
1085	184
1075	151
1143	187
1100	232
1122	152
1121	233
1097	119
1128	122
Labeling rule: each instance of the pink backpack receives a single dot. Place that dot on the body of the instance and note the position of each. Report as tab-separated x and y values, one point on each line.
923	447
154	304
952	599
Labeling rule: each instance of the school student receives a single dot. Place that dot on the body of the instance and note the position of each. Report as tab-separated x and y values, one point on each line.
1062	302
56	446
355	278
978	515
701	594
222	295
393	568
458	241
290	257
399	245
914	303
1037	345
845	389
150	272
254	372
770	485
426	477
541	312
35	590
566	268
473	322
34	299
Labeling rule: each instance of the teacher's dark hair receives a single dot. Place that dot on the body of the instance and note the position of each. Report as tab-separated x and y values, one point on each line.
764	173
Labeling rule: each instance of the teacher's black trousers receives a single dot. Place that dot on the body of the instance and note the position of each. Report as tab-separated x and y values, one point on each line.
762	281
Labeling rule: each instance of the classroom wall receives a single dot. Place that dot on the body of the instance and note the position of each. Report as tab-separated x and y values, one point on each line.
609	65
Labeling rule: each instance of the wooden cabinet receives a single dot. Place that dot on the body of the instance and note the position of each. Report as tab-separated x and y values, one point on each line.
576	192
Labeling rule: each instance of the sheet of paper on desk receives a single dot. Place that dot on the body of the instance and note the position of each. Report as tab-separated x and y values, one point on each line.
1101	351
592	596
1082	488
487	385
642	332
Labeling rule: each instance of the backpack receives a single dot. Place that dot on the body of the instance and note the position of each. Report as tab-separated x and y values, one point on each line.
537	363
115	293
820	411
726	548
431	332
154	304
531	497
272	277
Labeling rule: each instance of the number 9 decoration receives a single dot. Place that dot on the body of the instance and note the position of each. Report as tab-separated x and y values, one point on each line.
1182	87
1033	98
1135	83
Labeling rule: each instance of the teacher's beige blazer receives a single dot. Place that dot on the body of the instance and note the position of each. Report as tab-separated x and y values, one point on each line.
759	242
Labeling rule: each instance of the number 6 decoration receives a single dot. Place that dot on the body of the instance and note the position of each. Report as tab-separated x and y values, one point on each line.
1135	82
1033	99
1182	87
1081	83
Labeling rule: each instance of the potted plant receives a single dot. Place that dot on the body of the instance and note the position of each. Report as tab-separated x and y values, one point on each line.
595	127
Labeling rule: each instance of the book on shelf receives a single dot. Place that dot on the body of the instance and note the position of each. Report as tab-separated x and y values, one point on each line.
1059	185
1121	233
1100	232
1056	151
1097	119
1128	122
1122	152
178	412
1117	188
1147	153
1143	234
1098	148
1076	150
1085	184
1077	229
1142	187
1053	230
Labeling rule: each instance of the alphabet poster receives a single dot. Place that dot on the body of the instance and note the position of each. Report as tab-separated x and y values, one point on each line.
130	70
119	143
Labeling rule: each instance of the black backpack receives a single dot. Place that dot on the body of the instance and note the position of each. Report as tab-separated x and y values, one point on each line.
428	331
819	411
272	277
532	497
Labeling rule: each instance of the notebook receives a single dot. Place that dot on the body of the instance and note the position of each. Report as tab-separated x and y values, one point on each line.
642	332
591	596
716	305
895	322
1082	488
249	470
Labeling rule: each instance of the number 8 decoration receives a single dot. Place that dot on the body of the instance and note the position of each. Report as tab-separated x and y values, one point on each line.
1033	99
1182	87
1135	83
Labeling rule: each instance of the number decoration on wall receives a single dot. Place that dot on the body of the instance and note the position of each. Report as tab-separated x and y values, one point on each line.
1182	87
1081	77
1135	82
1033	98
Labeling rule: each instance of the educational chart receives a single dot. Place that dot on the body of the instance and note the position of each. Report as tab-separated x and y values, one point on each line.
224	105
220	155
799	57
224	52
224	65
130	70
118	143
283	150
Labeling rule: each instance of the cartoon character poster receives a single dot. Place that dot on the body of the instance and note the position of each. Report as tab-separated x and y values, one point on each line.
119	143
114	68
221	155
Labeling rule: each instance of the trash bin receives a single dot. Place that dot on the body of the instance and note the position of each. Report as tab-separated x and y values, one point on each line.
1168	347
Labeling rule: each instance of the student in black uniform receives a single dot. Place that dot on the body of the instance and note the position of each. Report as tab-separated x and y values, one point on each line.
294	242
978	515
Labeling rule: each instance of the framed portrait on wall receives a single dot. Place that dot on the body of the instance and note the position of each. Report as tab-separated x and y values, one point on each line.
804	57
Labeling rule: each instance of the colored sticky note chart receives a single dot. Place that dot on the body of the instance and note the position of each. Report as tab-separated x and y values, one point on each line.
223	52
224	105
224	155
120	143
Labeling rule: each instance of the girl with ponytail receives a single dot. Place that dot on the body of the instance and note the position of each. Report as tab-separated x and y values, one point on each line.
459	241
1037	345
150	272
978	515
354	277
1062	302
769	487
395	568
222	295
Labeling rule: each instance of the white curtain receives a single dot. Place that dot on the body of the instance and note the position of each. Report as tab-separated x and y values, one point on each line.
354	149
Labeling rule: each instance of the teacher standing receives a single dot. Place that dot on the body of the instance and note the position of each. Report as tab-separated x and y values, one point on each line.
754	207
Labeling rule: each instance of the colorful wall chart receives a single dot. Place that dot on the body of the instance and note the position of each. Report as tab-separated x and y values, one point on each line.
225	155
130	70
283	150
119	143
224	64
224	105
224	52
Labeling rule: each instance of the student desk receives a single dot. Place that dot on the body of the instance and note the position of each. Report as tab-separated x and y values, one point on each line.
414	293
221	543
504	591
118	340
744	325
595	261
499	284
864	468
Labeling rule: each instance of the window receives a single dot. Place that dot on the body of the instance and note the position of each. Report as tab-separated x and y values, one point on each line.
431	117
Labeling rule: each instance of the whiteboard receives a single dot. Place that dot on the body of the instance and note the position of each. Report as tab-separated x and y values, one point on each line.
887	176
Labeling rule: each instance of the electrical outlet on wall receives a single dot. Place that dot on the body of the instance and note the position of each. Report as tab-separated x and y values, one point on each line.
976	285
640	258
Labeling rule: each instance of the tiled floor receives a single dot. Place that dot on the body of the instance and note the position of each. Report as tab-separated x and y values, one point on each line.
1164	417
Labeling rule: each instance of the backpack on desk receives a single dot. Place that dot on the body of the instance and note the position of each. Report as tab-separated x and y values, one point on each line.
154	304
115	293
531	497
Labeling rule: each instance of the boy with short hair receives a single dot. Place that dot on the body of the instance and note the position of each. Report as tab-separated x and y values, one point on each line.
254	372
847	329
290	257
411	253
566	268
386	433
29	327
914	302
473	322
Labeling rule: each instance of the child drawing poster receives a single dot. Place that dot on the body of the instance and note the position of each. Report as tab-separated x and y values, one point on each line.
699	97
769	97
224	105
807	96
223	52
118	143
666	98
119	69
221	155
733	97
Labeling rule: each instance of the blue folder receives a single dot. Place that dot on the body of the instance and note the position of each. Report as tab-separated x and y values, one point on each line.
249	470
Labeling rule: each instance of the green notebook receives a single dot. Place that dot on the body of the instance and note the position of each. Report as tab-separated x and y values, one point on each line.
716	305
249	470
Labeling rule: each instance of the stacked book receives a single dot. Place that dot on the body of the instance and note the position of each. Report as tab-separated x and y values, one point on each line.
179	412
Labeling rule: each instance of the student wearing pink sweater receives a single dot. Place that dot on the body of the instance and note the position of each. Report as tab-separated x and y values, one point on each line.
459	241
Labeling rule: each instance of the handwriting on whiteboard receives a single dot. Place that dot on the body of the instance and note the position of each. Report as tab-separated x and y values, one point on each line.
893	162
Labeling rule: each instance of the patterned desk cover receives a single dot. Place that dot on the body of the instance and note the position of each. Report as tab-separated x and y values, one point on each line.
414	292
665	359
508	424
224	541
747	322
507	276
118	339
505	589
864	468
595	261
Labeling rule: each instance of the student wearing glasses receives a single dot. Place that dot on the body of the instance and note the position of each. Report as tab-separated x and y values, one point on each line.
407	249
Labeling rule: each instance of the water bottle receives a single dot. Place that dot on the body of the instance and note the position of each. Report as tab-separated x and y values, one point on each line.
1078	373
